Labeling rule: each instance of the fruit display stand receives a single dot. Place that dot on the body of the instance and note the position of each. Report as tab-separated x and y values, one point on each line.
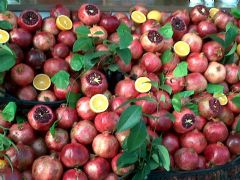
119	90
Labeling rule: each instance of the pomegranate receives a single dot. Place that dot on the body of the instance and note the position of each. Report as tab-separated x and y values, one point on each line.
232	71
74	154
89	14
235	87
149	25
111	176
67	37
161	121
231	105
109	22
105	145
43	41
49	25
215	73
27	93
66	116
41	117
163	100
200	122
233	142
21	37
171	64
136	49
139	7
215	132
176	83
47	96
222	18
47	167
209	107
128	22
22	157
22	74
126	88
9	174
18	52
22	133
152	41
35	58
153	77
148	107
196	82
184	120
206	27
199	13
186	159
58	10
116	102
217	154
54	65
60	50
179	27
58	140
171	142
225	87
121	136
122	65
10	17
201	162
114	37
197	62
73	174
39	147
4	123
151	62
137	71
194	139
167	44
100	37
182	14
213	51
226	116
83	132
27	175
192	28
120	171
97	168
30	20
83	109
235	123
194	41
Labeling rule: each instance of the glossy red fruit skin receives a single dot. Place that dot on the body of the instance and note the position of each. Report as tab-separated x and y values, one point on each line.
66	116
194	139
198	13
105	145
122	65
111	176
39	147
49	25
194	41
160	95
136	49
74	154
137	71
147	106
83	132
21	37
167	44
22	74
109	22
54	65
24	25
150	46
73	174
231	105
200	122
60	50
67	37
18	52
221	19
183	14
150	24
197	62
37	125
162	123
178	123
215	73
47	167
22	157
206	27
91	87
196	82
27	93
121	136
58	10
97	168
213	51
171	142
233	142
27	175
170	66
106	121
139	7
217	154
126	89
46	96
151	62
226	116
201	162
57	141
44	41
120	171
22	133
215	132
85	17
232	73
35	58
83	109
177	84
8	174
116	102
186	159
9	16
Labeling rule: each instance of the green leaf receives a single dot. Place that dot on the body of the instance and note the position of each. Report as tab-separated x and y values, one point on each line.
125	55
157	141
83	44
3	5
215	88
2	76
76	62
185	94
113	67
9	111
61	79
126	159
193	107
53	127
82	31
164	156
129	118
171	116
142	173
20	119
238	74
5	25
232	50
166	88
125	36
238	126
72	99
228	59
166	56
166	31
217	39
8	59
137	136
235	12
181	70
98	33
231	34
236	100
6	143
176	102
155	157
162	78
153	164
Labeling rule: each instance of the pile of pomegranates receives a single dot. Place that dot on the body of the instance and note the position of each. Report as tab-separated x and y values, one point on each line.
192	107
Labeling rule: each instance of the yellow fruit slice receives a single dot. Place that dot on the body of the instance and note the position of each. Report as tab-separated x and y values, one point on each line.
181	48
213	11
4	36
143	84
138	17
41	82
238	49
64	23
222	98
3	164
99	103
154	14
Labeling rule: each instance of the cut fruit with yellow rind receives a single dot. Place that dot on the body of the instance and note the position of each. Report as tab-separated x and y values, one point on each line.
99	103
154	14
222	98
238	49
138	17
181	48
41	82
213	11
64	23
143	84
3	164
4	36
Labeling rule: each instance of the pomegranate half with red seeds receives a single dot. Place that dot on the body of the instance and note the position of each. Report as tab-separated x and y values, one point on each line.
199	13
41	117
150	24
209	107
89	14
152	41
179	27
182	14
83	109
30	20
126	88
